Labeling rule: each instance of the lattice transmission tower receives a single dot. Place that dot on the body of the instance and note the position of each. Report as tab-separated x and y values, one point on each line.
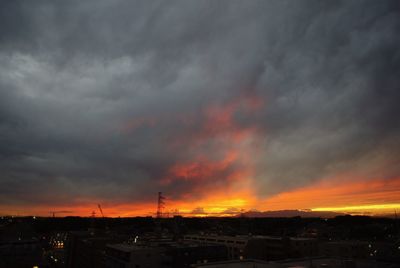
160	205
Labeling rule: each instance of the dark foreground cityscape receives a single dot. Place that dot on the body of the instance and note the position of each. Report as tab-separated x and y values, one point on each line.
343	241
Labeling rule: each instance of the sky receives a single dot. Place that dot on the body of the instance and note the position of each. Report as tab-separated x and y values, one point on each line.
224	106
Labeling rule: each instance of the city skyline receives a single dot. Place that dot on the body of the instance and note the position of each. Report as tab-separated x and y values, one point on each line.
226	107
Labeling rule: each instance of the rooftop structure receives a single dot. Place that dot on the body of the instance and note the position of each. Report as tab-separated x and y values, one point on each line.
261	247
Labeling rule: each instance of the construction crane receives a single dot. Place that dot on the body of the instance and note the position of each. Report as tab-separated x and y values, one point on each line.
101	211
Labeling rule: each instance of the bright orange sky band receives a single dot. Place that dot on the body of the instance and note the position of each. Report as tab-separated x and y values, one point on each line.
374	197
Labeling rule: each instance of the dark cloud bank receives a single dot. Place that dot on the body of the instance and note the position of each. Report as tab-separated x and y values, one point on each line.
99	99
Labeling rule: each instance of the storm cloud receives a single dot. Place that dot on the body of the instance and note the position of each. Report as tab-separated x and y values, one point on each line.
117	100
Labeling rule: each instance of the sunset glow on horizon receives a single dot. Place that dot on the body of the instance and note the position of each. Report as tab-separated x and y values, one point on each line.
361	198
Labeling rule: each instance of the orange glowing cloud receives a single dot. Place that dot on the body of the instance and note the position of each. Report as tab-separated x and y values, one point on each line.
220	151
221	119
200	169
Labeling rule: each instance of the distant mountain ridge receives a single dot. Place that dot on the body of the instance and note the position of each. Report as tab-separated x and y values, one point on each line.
290	213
